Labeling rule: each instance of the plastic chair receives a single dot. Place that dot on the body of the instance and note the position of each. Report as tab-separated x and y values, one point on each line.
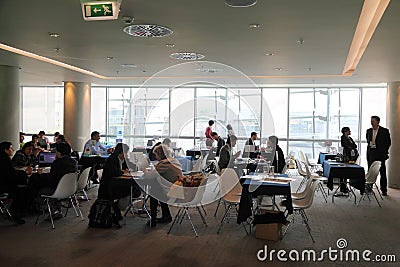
82	182
231	191
66	189
196	203
3	206
370	182
300	205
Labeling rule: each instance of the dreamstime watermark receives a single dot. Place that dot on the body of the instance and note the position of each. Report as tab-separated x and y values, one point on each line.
340	253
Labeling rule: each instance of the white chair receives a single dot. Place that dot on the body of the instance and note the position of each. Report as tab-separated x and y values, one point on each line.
82	182
322	179
370	182
197	165
66	189
300	205
231	191
195	203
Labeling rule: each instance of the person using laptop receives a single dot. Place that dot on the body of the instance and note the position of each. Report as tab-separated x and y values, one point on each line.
251	140
43	140
94	147
220	142
26	157
278	157
226	157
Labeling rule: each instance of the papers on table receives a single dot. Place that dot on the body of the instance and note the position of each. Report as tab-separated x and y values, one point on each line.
269	178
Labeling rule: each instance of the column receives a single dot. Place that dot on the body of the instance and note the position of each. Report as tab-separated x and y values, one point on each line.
77	113
10	105
393	123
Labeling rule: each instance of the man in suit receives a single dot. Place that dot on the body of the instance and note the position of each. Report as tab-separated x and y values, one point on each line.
378	139
220	142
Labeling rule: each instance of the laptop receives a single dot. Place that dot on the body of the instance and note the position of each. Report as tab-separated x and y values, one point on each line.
46	158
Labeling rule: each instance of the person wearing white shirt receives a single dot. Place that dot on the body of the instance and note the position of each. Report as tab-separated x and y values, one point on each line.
94	147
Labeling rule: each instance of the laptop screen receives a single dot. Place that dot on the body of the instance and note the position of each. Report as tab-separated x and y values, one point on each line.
46	158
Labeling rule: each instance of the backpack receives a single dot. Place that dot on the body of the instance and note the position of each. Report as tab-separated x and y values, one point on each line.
103	214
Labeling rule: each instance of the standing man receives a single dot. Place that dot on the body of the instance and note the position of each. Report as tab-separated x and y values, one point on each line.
220	142
378	139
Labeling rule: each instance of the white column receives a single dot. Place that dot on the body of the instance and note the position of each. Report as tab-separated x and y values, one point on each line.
393	123
77	113
10	105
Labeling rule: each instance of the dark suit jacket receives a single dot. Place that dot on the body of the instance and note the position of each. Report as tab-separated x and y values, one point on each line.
224	157
280	164
221	143
382	141
348	145
60	167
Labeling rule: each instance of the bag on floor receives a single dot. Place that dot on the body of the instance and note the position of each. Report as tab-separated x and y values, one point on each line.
103	214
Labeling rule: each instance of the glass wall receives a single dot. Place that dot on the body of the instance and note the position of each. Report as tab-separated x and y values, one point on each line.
307	118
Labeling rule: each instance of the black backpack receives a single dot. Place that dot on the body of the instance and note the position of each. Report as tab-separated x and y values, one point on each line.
104	214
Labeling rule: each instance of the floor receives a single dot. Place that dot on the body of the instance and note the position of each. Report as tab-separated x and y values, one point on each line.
72	243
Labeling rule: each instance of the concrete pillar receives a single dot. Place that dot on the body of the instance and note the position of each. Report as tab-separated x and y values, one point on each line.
77	113
10	92
393	123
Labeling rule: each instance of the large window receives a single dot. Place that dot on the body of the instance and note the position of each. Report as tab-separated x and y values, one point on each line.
307	118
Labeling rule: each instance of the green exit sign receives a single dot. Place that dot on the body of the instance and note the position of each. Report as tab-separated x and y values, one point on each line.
98	10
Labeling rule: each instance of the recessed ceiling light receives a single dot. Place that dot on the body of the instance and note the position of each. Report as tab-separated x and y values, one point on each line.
147	30
54	35
254	26
170	45
187	56
278	69
109	58
308	69
269	54
300	41
57	49
240	3
129	65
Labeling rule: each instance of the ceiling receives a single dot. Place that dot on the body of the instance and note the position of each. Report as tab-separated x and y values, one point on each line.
208	27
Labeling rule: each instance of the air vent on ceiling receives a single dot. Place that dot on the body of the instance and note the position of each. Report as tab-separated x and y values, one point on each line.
240	3
187	56
147	30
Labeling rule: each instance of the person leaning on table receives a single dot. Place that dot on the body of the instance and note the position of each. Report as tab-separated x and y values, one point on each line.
378	140
169	170
95	146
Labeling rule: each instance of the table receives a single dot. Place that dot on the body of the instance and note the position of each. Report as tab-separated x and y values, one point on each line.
355	173
325	156
264	188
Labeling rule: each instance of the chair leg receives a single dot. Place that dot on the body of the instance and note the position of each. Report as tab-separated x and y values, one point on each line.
224	217
73	206
51	216
176	219
190	220
379	191
202	216
219	202
321	187
307	225
77	206
376	199
4	208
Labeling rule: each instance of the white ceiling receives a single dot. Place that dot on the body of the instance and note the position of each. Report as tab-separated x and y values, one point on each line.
209	27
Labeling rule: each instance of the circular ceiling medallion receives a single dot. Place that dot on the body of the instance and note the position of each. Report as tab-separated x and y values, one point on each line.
147	30
187	56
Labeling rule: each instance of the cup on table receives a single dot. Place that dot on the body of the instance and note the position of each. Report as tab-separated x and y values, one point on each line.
272	170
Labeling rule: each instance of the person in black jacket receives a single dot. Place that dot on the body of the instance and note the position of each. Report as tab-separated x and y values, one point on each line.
378	140
279	158
349	146
111	187
220	142
9	181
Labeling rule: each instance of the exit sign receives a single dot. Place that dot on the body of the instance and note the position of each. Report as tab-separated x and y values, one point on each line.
104	10
100	10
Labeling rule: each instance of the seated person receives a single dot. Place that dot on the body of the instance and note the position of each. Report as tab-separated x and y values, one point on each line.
170	170
43	140
9	181
35	142
279	158
251	142
226	158
152	156
112	188
94	147
21	139
26	157
220	142
62	165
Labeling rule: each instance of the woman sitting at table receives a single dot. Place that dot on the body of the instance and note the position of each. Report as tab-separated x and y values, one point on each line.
26	157
9	182
112	186
169	170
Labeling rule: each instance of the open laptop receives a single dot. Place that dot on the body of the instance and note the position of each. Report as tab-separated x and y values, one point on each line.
139	159
46	158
